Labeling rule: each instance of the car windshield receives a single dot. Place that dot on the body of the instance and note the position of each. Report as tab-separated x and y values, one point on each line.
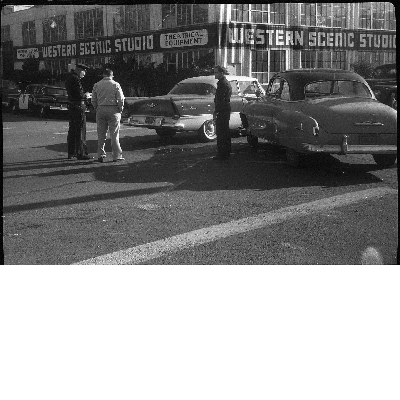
387	71
336	88
248	88
198	88
56	91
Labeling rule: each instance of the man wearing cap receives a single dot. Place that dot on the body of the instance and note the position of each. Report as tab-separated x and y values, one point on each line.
222	113
77	114
108	102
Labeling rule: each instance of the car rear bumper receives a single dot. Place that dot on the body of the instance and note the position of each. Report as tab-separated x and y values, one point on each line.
350	149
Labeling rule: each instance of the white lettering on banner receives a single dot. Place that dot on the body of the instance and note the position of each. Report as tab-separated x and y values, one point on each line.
182	39
59	50
136	43
265	36
27	53
242	35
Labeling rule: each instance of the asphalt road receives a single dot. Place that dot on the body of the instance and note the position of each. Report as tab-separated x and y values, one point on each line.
169	202
214	325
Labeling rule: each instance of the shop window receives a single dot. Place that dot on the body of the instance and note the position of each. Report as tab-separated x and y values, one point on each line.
375	57
55	29
265	63
28	32
323	59
377	15
182	59
132	18
324	14
259	13
5	33
174	15
89	23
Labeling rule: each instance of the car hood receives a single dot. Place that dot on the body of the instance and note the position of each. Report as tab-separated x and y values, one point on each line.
351	115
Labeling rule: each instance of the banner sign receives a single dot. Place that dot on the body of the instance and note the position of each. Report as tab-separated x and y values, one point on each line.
32	52
204	35
268	36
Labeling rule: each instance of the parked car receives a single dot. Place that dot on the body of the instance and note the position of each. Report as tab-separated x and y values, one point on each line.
42	99
9	91
384	84
189	106
322	111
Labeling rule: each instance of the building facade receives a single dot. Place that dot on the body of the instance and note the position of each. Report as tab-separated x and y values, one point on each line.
249	39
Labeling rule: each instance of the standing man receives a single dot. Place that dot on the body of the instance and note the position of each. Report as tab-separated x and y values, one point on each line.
77	114
108	102
222	113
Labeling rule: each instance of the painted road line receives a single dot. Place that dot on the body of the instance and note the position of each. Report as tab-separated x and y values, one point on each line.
158	248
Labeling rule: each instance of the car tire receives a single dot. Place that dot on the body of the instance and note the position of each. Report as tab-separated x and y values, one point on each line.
207	131
165	133
385	160
252	140
294	158
393	100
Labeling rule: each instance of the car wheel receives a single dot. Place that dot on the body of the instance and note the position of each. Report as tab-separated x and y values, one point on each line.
252	140
393	100
165	133
294	158
207	131
385	160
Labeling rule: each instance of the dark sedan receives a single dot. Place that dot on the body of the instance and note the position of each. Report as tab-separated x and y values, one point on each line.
42	99
323	111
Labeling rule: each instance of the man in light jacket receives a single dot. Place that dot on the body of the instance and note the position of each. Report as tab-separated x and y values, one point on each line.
108	102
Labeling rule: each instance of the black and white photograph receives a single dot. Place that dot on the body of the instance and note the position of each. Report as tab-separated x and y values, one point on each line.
200	200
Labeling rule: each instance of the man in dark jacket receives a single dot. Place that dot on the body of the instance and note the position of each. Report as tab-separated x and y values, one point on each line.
222	113
77	114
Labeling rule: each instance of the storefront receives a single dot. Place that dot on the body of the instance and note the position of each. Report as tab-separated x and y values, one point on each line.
249	39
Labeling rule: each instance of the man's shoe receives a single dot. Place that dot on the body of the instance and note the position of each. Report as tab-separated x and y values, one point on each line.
101	159
71	156
119	159
85	157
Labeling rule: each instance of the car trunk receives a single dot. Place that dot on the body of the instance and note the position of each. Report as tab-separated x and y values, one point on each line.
362	121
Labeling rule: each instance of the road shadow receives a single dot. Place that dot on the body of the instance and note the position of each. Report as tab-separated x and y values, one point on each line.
193	169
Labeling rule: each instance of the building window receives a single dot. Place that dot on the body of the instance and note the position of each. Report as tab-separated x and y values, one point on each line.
132	18
183	14
5	33
323	59
92	62
57	66
373	57
377	15
28	33
259	13
264	63
55	29
89	23
331	15
182	60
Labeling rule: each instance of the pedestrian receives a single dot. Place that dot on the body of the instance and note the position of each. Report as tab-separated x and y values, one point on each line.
108	103
77	114
222	113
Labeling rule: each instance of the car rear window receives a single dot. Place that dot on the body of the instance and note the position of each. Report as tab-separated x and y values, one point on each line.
55	91
336	88
201	89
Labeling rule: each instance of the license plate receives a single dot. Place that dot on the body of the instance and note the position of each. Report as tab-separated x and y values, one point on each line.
369	139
